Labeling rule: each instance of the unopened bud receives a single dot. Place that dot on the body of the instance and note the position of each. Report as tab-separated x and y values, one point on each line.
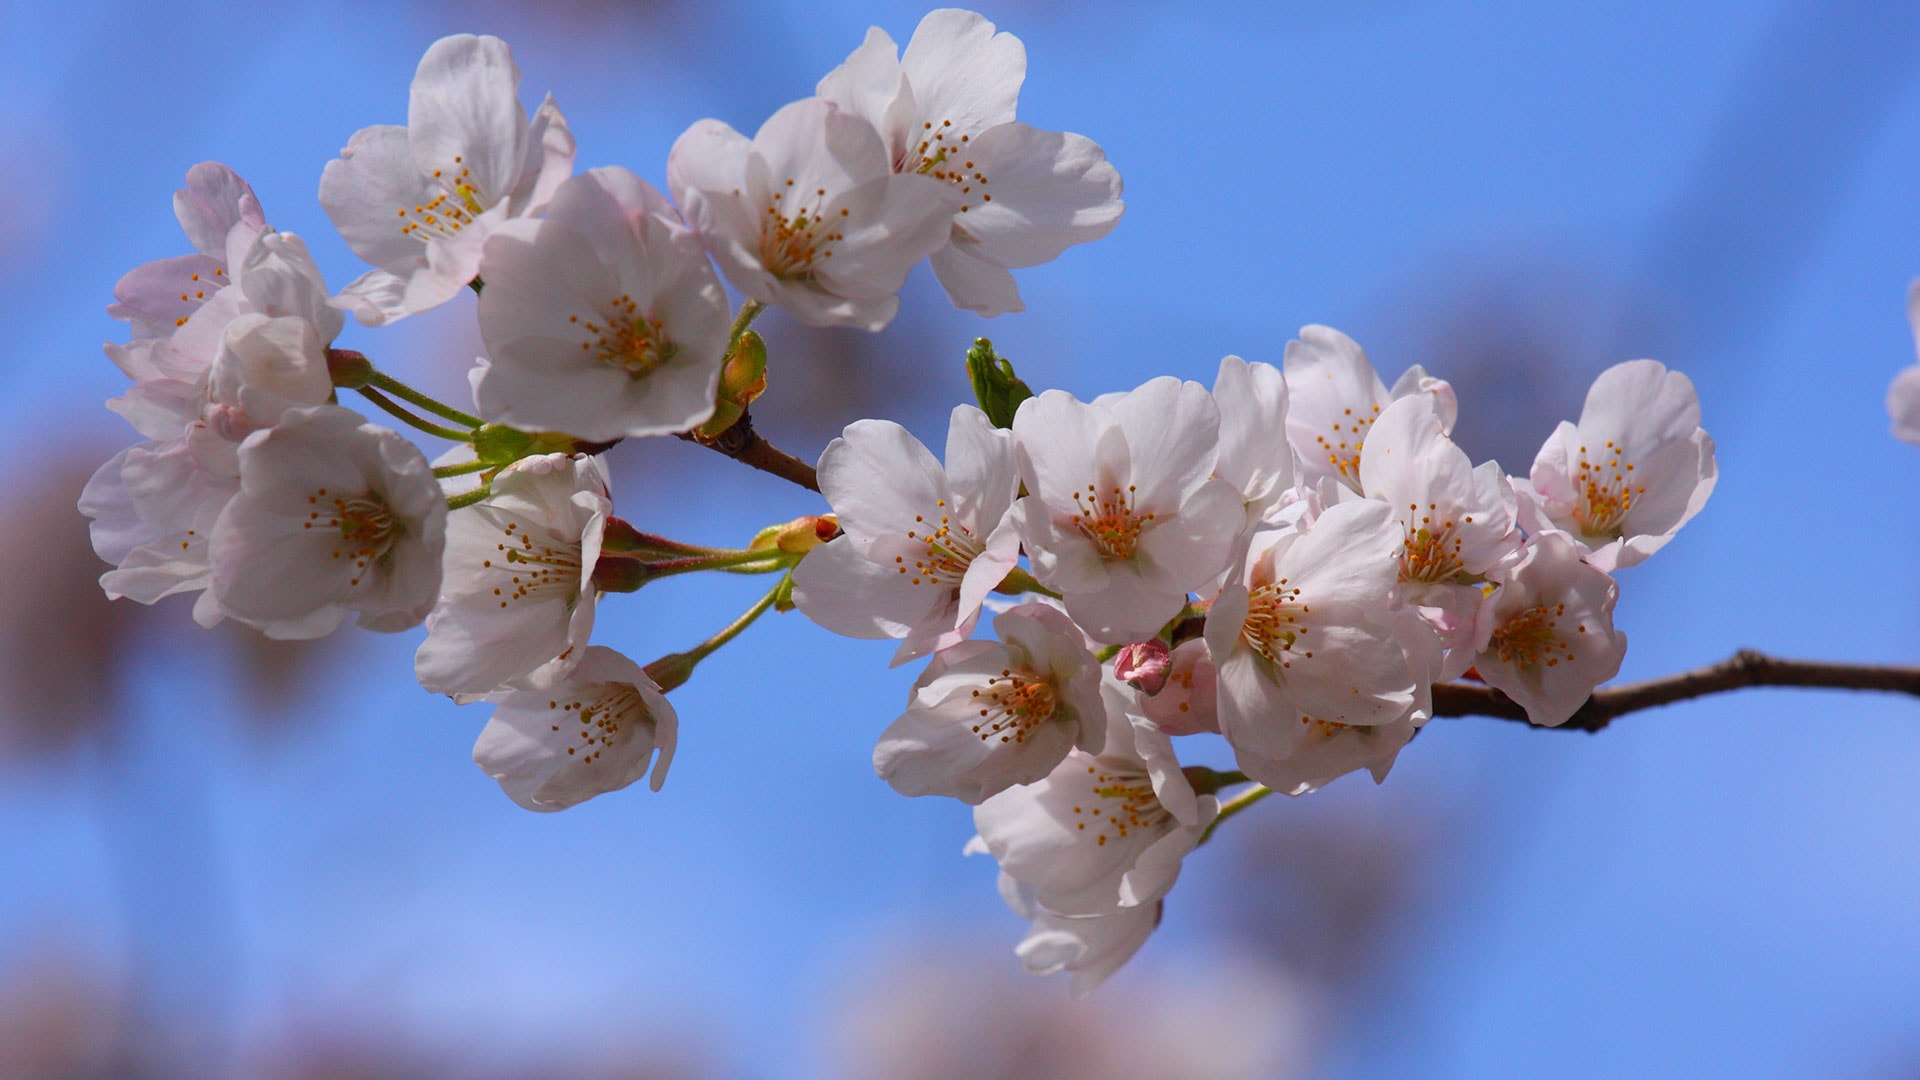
797	537
742	380
349	370
1144	664
998	390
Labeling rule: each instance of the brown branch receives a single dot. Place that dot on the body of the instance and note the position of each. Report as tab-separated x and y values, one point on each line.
1744	669
743	444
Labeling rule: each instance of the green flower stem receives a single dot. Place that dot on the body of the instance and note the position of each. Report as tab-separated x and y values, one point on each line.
674	669
462	469
749	311
414	397
405	417
455	502
1236	804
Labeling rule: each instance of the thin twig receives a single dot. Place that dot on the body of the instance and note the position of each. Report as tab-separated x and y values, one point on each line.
743	444
1744	669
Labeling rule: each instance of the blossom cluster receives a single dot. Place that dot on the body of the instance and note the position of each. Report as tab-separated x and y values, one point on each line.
1289	560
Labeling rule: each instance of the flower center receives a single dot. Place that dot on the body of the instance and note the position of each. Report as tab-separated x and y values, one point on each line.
1126	803
448	212
368	528
790	244
628	339
950	550
1606	491
1342	443
1532	638
603	713
1110	520
1273	624
1012	704
1432	551
942	155
535	570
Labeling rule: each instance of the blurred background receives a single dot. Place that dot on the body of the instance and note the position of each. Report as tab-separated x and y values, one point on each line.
223	857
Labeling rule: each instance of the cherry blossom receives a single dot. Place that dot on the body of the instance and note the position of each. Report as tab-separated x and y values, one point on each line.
921	545
592	732
604	318
1122	517
1637	467
1336	397
333	515
1311	637
419	201
809	215
516	594
1105	830
945	110
987	715
1457	521
154	505
1548	636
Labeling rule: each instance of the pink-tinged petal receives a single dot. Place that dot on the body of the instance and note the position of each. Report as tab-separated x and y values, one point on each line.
847	593
1091	947
1062	443
890	224
813	144
973	283
214	201
1173	435
1334	397
594	733
871	84
981	467
1183	553
278	277
1254	455
965	77
882	481
1189	701
550	153
935	751
1348	556
1641	405
1552	639
1322	753
1029	194
465	123
158	297
709	157
1129	608
374	194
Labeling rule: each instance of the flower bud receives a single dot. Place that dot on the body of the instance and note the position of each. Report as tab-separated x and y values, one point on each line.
799	536
1144	664
349	370
742	380
995	386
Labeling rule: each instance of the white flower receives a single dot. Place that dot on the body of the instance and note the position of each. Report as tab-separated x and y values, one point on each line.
1091	947
1547	636
1312	637
808	214
221	217
1903	397
921	545
154	505
987	715
593	732
1321	752
333	515
1635	468
516	591
419	201
1104	830
275	276
1122	517
1457	521
946	109
1336	397
603	319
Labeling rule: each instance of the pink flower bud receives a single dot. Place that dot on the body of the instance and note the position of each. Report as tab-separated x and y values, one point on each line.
1144	664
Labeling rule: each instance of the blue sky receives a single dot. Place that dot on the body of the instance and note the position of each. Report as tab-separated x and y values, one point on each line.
1720	888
